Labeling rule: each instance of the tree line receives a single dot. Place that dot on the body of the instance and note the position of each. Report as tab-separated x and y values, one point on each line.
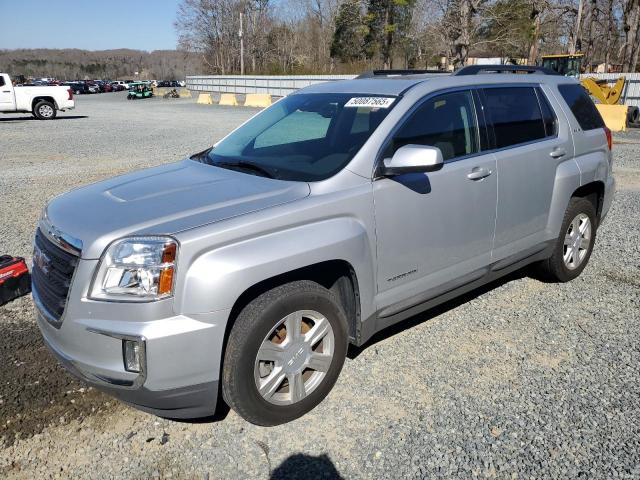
348	36
73	64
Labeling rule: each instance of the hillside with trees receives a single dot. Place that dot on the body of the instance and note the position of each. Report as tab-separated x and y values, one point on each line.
69	64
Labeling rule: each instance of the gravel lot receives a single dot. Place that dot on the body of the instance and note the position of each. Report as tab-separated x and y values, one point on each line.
521	379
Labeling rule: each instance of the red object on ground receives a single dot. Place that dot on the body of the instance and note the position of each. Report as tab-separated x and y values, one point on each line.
15	280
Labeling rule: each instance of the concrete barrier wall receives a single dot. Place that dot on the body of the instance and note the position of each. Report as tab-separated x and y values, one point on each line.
275	85
282	85
631	92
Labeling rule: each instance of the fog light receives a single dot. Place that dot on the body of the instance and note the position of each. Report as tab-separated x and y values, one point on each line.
132	352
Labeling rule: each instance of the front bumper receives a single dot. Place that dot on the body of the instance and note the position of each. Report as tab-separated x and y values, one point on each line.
182	354
193	401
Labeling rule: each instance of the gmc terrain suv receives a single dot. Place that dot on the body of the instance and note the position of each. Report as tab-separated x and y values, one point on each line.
345	207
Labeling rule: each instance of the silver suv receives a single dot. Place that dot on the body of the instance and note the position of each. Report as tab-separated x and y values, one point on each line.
247	269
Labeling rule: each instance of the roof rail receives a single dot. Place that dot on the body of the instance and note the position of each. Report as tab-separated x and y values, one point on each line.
476	69
393	73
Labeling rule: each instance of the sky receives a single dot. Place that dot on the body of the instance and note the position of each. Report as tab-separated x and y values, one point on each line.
88	24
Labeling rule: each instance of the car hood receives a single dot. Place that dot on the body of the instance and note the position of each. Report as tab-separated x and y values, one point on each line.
163	200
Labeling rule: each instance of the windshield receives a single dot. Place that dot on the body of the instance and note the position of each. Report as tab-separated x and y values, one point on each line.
303	137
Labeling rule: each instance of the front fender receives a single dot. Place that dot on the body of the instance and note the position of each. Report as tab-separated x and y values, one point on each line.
216	278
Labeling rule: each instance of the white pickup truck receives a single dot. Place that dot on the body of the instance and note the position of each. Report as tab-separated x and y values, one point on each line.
42	102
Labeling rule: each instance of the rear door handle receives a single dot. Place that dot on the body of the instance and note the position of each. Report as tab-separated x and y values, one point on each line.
6	91
478	173
558	153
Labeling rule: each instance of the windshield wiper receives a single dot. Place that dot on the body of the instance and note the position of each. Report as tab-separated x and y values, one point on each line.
241	164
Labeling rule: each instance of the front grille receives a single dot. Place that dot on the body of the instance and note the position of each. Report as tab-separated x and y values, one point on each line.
51	275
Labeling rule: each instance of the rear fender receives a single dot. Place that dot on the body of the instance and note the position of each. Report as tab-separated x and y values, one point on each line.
567	181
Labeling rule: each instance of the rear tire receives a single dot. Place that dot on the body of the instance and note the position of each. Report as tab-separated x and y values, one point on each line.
274	373
574	245
44	110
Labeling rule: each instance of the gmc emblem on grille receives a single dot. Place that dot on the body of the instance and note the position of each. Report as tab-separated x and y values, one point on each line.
41	260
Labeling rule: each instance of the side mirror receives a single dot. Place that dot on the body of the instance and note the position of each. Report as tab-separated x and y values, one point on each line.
413	159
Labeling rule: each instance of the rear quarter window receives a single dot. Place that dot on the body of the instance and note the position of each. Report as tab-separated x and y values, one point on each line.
581	106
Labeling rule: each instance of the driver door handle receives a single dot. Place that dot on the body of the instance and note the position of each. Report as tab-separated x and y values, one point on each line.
558	152
478	173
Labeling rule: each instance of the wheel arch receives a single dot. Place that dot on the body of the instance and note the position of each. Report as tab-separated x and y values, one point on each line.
338	276
35	101
594	192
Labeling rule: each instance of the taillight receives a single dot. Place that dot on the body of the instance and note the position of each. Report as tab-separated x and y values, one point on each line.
70	94
607	132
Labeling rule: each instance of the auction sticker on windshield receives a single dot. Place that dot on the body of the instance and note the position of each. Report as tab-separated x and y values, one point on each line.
370	102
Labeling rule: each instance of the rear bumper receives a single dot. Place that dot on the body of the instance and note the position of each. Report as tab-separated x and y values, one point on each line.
67	105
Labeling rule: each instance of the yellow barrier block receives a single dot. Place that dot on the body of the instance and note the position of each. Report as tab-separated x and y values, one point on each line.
204	99
614	116
228	99
184	93
257	100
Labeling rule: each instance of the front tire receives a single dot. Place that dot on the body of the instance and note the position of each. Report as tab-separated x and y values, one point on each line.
44	110
574	245
284	354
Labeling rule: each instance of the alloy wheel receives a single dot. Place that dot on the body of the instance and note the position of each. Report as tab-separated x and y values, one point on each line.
294	357
576	241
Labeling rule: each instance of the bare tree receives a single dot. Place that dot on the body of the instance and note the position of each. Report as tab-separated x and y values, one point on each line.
631	25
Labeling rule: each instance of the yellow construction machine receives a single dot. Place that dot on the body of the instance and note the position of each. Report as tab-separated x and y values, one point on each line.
616	116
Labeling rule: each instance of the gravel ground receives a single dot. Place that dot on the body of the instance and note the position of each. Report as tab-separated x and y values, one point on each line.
520	379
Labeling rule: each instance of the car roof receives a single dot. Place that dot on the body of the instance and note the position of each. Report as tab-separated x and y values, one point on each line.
398	84
392	85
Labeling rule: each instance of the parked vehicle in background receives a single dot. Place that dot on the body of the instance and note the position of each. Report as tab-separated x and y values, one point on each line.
79	88
104	86
340	210
169	83
121	83
93	87
42	101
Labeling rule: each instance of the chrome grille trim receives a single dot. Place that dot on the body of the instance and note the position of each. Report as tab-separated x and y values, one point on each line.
52	275
66	242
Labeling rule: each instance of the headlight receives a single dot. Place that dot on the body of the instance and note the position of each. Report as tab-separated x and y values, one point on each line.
136	269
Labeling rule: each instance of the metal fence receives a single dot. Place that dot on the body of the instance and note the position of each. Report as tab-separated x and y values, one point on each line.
631	92
275	85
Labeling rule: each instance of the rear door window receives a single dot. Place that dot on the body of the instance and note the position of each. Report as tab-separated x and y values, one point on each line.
581	106
515	114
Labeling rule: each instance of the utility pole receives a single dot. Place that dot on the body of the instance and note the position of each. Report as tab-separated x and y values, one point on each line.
241	47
